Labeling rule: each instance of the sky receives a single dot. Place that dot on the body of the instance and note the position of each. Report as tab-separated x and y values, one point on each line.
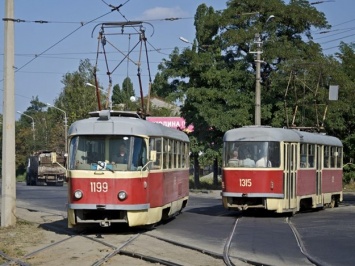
45	52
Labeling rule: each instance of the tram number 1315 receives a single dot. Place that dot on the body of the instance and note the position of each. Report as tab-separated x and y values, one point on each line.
245	182
98	186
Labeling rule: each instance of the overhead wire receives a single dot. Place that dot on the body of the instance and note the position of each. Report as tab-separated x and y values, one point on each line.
62	39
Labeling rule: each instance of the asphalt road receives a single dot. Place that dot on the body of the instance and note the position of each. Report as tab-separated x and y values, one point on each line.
323	237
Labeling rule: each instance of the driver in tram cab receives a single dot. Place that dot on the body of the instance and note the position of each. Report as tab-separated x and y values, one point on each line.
121	156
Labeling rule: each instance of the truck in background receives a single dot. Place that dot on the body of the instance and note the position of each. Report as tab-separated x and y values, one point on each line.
46	167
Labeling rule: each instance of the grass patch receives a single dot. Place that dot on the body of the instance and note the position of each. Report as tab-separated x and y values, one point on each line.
21	178
206	183
14	239
349	187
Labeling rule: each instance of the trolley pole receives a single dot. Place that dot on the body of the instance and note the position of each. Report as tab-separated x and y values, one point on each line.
8	193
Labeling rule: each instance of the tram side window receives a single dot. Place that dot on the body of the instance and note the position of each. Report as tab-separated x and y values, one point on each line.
139	154
333	157
303	162
339	157
311	152
326	157
171	154
184	155
177	156
72	154
155	144
274	153
307	155
166	153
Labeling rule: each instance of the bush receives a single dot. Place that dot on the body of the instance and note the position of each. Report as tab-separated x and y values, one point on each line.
21	177
206	182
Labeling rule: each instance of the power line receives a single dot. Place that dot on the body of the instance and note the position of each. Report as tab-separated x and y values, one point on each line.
65	37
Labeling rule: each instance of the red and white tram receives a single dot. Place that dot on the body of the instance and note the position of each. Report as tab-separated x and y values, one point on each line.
281	170
148	184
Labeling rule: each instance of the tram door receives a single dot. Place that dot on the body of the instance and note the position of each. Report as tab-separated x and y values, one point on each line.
319	163
290	166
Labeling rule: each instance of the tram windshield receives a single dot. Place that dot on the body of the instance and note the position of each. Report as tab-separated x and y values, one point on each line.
251	154
115	153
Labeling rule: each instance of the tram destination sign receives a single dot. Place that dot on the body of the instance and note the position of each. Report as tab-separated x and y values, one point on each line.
173	122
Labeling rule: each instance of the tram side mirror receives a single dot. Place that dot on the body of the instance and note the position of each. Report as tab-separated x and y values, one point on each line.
54	157
153	155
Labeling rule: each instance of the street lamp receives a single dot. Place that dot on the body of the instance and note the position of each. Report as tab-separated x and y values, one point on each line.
187	41
105	92
258	52
92	85
33	127
65	125
46	129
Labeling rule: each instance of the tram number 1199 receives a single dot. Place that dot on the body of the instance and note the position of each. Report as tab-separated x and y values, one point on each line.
245	182
98	186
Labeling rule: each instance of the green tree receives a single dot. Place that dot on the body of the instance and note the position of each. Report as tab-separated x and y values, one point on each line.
216	76
25	141
117	96
76	99
121	98
341	121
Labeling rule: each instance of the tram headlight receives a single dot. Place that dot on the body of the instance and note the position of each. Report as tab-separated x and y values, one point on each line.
78	194
122	195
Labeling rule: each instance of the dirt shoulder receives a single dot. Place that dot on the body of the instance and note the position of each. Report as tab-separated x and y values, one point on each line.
31	232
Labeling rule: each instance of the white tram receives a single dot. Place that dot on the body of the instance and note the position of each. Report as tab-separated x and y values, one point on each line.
281	170
150	182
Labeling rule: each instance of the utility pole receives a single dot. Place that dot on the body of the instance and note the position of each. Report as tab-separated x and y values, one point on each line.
8	193
257	80
258	53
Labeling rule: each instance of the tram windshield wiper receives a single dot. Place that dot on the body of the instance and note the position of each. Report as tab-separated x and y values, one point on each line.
104	166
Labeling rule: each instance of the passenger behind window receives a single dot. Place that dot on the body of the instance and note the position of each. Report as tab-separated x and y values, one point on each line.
310	161
304	163
248	162
234	159
263	161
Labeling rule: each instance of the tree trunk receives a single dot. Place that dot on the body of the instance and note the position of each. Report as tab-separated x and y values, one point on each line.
196	171
215	172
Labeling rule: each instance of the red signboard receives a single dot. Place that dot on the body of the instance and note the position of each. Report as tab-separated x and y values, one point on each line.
173	122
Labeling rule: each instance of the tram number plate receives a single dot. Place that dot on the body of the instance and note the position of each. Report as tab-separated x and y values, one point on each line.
98	187
245	182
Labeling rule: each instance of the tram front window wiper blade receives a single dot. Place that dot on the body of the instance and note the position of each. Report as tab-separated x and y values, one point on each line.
104	166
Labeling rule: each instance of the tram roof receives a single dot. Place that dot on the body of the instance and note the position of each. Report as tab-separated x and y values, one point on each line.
120	123
264	133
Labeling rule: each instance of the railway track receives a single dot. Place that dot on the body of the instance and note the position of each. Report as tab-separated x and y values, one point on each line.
265	241
252	240
112	248
272	239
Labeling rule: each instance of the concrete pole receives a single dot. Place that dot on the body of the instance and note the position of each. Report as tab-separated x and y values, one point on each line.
257	81
8	193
